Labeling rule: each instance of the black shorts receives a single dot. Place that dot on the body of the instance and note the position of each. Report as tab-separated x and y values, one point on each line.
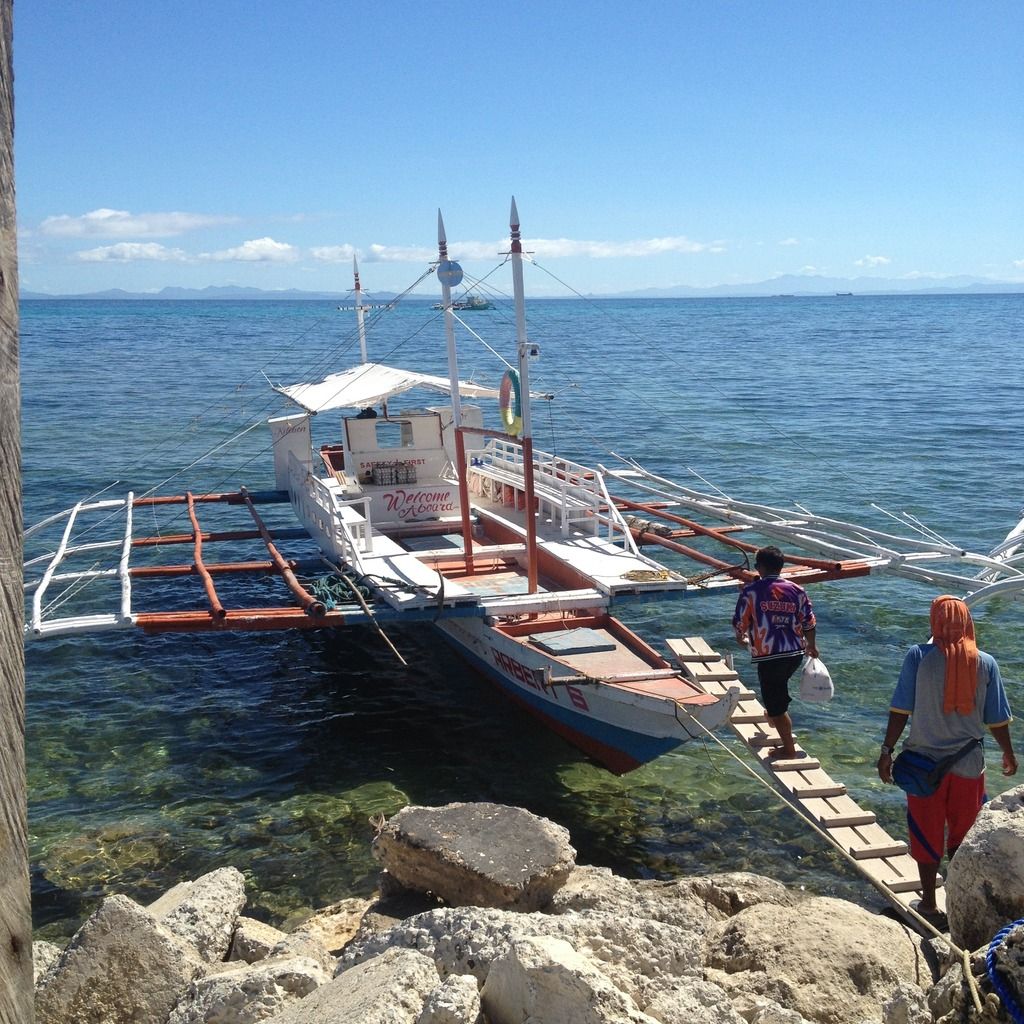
774	676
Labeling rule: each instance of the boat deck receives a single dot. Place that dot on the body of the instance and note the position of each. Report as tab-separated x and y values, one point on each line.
810	790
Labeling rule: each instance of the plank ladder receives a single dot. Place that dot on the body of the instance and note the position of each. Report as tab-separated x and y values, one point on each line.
882	860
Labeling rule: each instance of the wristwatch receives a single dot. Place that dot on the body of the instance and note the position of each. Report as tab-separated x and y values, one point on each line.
887	750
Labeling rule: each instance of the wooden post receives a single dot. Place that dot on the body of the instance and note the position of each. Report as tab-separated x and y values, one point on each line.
16	989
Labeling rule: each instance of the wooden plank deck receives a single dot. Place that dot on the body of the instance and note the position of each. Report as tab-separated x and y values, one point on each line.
850	828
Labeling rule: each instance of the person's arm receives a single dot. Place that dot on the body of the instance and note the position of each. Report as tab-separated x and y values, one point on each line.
1001	734
810	640
741	620
893	731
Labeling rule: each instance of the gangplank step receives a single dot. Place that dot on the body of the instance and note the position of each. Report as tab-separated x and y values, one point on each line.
893	849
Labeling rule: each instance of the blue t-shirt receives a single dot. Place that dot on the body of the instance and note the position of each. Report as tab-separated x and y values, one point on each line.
919	693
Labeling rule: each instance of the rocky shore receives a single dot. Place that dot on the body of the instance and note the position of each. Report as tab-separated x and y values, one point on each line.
484	917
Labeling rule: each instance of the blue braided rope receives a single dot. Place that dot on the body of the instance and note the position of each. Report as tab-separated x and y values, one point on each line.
1009	1001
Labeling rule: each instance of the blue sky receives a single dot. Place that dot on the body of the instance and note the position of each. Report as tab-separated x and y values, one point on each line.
648	145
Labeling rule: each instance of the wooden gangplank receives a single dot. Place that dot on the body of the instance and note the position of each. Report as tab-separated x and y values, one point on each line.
882	860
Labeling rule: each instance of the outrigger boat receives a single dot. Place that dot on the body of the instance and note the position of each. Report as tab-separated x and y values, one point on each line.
517	557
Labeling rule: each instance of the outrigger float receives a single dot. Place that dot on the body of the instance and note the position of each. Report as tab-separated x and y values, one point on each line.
517	557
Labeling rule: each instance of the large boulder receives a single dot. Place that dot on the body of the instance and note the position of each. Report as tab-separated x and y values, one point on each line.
829	960
985	878
121	967
204	912
336	925
545	979
241	993
692	903
389	989
476	854
635	954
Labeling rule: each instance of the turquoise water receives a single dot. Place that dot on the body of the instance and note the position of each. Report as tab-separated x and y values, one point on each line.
155	759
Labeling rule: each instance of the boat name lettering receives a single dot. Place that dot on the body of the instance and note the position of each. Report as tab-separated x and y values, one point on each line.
534	679
411	504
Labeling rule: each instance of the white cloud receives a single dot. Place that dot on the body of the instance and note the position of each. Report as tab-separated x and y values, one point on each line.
105	223
809	270
872	261
1019	264
333	253
790	241
256	250
127	252
400	254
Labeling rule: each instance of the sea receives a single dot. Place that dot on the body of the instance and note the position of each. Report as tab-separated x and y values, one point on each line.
154	759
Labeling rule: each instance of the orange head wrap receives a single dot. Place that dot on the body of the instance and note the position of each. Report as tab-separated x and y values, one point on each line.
953	634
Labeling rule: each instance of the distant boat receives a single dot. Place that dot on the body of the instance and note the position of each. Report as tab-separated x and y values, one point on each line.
469	302
844	294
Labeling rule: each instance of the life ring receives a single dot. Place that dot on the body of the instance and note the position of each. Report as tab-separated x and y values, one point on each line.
510	403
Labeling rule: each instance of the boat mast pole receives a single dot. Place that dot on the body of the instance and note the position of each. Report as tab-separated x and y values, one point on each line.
524	348
359	309
449	273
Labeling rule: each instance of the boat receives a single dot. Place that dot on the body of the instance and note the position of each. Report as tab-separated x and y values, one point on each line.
519	559
469	302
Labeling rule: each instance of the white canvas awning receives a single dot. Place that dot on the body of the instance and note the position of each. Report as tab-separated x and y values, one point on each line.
371	384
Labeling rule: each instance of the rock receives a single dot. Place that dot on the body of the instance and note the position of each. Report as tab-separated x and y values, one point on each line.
476	854
907	1005
204	912
253	940
44	956
985	878
830	961
687	902
242	993
335	926
121	966
389	989
545	979
693	1001
761	1010
635	954
455	1001
306	944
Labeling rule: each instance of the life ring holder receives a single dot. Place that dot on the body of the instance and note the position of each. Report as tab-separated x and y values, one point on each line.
510	403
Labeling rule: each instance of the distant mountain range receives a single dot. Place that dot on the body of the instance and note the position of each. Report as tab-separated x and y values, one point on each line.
789	285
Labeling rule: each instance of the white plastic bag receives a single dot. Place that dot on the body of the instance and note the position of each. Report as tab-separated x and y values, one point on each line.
815	682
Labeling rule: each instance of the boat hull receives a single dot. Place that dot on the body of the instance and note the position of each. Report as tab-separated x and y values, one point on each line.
619	731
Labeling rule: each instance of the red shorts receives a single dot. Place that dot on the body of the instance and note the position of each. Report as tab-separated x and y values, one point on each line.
953	806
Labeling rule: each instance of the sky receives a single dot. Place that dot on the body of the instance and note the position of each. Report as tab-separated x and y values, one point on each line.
181	143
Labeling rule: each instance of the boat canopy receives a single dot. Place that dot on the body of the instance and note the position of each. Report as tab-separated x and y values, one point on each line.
371	384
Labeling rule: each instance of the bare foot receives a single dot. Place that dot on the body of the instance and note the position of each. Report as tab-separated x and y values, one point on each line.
782	754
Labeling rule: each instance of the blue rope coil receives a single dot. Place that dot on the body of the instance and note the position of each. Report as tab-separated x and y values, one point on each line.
1002	990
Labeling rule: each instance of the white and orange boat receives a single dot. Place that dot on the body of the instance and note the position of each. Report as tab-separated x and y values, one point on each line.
517	557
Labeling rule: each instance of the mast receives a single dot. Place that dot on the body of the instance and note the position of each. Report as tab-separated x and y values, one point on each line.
525	349
359	309
449	273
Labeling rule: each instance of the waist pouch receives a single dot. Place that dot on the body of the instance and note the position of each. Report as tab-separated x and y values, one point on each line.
920	775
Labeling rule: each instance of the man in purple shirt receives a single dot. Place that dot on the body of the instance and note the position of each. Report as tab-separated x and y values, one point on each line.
774	617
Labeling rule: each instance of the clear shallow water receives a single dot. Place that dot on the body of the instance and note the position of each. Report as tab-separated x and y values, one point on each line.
155	759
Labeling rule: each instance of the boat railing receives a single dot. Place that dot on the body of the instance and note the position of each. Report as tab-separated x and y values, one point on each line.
342	527
572	495
74	581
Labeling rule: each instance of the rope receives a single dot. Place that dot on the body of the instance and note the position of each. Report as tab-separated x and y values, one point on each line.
1009	999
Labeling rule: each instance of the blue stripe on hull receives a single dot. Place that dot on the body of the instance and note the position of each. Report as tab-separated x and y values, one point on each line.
619	750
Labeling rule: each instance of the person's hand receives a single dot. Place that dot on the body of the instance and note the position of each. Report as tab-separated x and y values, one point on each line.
743	640
1009	764
812	650
885	767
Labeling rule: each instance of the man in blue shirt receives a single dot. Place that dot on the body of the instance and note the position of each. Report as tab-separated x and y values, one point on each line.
950	691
